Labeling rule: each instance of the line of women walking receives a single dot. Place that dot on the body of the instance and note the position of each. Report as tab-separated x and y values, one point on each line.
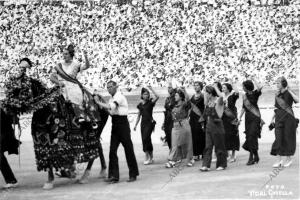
209	120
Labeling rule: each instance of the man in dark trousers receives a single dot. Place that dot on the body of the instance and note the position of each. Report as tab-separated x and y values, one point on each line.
117	106
8	143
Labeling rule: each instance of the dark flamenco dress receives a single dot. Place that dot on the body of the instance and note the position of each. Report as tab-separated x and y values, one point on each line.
58	140
232	140
285	128
252	123
197	128
147	127
51	146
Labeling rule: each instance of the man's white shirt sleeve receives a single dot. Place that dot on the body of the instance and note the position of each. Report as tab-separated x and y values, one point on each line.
118	104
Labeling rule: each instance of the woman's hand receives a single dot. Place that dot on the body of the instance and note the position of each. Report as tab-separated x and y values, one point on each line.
163	127
239	122
97	99
98	93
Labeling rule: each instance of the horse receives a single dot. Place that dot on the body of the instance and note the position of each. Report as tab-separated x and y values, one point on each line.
60	140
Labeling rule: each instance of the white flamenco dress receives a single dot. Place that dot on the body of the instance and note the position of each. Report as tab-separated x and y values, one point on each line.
71	91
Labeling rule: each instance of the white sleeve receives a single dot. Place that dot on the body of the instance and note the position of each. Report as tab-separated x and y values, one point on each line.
116	101
81	66
113	105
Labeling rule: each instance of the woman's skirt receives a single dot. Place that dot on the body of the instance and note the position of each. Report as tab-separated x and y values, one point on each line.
285	134
182	145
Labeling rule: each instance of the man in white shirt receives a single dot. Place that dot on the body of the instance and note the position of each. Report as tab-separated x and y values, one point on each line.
120	133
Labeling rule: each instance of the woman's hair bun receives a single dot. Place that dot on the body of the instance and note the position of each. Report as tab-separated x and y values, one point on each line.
71	50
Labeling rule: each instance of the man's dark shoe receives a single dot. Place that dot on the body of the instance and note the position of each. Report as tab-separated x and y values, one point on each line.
111	180
131	179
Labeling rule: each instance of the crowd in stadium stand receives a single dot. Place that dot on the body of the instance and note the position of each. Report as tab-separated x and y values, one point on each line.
186	40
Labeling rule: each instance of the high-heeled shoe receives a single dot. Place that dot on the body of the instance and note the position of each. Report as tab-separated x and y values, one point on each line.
48	186
204	169
220	168
170	164
256	159
191	163
250	162
278	164
287	164
232	159
148	162
11	185
196	158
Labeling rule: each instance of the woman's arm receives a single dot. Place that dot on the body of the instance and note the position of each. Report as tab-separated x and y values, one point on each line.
273	118
155	94
205	98
87	62
234	87
54	78
220	106
219	93
137	120
295	97
257	84
241	115
187	98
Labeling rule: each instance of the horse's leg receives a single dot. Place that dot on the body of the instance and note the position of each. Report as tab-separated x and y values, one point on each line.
90	164
49	184
102	162
86	174
101	125
102	173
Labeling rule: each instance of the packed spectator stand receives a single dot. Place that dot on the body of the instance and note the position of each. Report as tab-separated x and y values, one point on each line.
154	42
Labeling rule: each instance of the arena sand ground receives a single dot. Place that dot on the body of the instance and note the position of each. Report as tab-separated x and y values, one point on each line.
238	181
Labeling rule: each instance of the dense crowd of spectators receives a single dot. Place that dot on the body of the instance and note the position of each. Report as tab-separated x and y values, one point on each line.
185	40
